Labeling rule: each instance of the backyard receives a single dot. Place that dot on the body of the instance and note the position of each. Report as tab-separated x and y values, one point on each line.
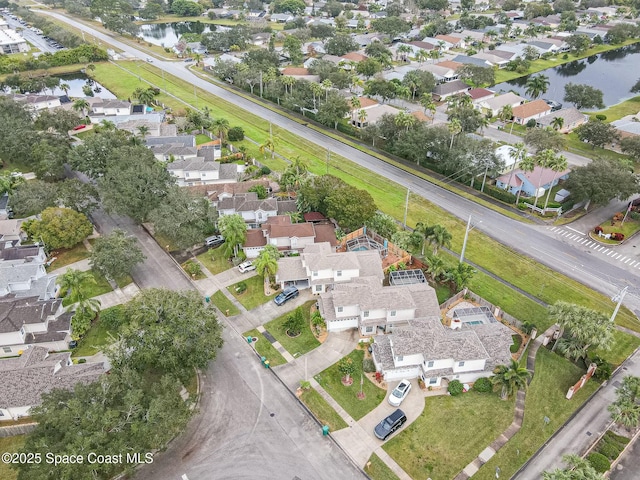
265	349
346	396
303	343
253	296
545	398
325	414
450	433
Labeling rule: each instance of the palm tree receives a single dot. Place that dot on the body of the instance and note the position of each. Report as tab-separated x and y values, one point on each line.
579	468
404	119
198	58
558	164
267	262
355	105
73	281
143	131
362	117
527	164
506	113
144	95
426	100
221	127
234	230
537	85
326	86
424	231
509	379
460	275
557	123
544	159
81	105
455	127
267	145
625	413
439	237
316	90
355	82
8	183
107	126
437	267
289	82
65	87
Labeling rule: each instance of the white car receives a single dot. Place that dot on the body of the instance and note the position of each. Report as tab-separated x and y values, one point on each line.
246	267
400	393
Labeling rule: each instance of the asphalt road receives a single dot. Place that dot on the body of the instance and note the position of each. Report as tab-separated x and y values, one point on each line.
530	240
580	432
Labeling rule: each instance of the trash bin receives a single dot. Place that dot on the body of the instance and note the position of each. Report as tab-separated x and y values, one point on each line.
207	299
249	339
263	359
325	430
266	364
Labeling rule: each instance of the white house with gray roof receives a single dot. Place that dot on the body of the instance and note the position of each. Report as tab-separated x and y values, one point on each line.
198	171
320	268
253	210
22	272
25	378
427	349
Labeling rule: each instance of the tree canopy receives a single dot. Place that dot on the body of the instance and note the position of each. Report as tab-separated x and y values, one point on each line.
116	254
602	180
59	227
583	96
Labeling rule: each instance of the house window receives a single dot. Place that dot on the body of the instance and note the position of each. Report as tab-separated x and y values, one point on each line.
430	364
461	364
318	288
22	331
369	329
315	274
433	380
399	358
339	273
6	349
365	313
393	313
340	309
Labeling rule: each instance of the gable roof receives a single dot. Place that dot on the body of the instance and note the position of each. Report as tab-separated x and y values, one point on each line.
531	109
569	115
499	101
248	202
355	56
295	71
451	87
477	93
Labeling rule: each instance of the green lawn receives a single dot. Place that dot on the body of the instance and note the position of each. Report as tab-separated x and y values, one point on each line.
630	227
200	139
265	349
224	304
67	256
10	444
330	379
98	336
91	289
303	343
431	447
622	109
254	295
214	261
124	281
623	346
378	470
545	398
325	414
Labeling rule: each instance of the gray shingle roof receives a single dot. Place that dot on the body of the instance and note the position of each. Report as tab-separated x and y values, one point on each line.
248	202
26	378
16	312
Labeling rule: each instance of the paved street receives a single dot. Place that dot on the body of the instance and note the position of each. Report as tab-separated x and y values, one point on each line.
588	424
629	465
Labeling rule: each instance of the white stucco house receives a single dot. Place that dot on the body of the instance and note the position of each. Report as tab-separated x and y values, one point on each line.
23	273
252	210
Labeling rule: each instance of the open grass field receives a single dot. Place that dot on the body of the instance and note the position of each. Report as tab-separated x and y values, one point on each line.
12	445
303	343
254	295
437	448
331	381
378	470
546	397
325	414
265	349
622	109
224	304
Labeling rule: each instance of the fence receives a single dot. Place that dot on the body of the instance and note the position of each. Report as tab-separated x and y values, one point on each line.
543	211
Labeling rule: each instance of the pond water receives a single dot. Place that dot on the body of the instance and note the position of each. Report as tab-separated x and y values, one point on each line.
614	72
78	80
168	34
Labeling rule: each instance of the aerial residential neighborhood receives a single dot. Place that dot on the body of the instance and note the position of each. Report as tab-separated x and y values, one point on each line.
319	240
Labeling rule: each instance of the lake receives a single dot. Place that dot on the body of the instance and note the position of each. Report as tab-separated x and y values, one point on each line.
78	80
168	34
614	72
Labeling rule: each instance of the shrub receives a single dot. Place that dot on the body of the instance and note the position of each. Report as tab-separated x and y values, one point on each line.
609	450
527	327
241	287
235	134
113	317
295	322
482	385
368	366
265	171
598	229
601	117
515	346
500	194
599	462
531	123
635	215
82	360
522	206
455	388
617	236
193	268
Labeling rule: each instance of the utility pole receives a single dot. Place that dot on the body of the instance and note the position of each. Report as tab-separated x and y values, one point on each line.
618	297
406	208
196	97
466	236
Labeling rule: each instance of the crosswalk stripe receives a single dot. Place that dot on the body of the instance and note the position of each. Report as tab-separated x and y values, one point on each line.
573	237
554	229
599	249
584	241
604	250
628	260
633	263
616	256
609	253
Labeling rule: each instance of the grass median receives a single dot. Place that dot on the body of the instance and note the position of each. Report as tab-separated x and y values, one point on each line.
321	409
265	348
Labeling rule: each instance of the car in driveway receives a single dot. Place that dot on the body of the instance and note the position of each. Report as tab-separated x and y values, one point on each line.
400	393
214	241
286	295
246	267
390	424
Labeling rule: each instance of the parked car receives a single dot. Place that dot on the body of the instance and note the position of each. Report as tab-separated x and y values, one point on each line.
390	424
400	393
187	60
246	267
214	241
150	60
286	295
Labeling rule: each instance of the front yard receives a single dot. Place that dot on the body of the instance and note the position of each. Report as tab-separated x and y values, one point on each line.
303	343
545	398
225	305
91	289
214	261
378	470
322	410
67	256
331	381
254	295
450	433
99	335
265	349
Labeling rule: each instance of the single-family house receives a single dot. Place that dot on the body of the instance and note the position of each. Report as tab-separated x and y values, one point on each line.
448	89
195	171
475	35
371	115
167	152
530	183
495	104
26	378
507	156
22	273
109	108
256	14
445	71
530	111
454	42
253	210
5	209
286	236
300	73
467	60
365	39
429	350
545	46
28	321
571	117
354	23
495	60
38	102
219	191
628	125
281	17
440	43
479	94
319	267
11	233
353	57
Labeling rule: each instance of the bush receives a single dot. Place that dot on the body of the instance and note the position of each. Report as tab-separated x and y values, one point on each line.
455	388
527	327
522	206
601	117
368	366
82	360
113	317
598	229
531	123
482	385
599	462
241	287
265	171
609	450
500	194
235	134
192	268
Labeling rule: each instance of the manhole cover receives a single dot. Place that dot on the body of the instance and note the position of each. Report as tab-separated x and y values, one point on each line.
589	434
272	414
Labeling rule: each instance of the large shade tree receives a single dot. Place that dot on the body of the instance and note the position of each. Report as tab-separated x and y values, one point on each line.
115	255
59	227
